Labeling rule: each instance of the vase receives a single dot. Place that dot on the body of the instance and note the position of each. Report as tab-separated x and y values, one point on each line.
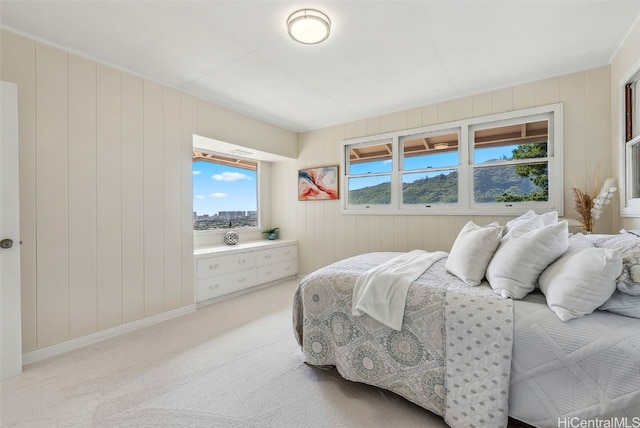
231	238
271	236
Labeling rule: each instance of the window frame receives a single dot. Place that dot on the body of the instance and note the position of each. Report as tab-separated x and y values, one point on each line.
629	116
465	204
259	172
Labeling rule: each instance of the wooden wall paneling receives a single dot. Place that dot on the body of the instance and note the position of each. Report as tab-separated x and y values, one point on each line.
446	112
18	65
400	233
414	118
501	100
463	108
414	232
330	210
172	201
133	305
153	200
387	233
52	196
524	96
574	113
350	236
401	120
83	311
430	233
373	126
548	91
430	115
598	131
109	201
481	104
373	234
188	128
447	232
363	233
386	124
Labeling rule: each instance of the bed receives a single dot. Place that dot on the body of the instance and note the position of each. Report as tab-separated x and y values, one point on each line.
472	356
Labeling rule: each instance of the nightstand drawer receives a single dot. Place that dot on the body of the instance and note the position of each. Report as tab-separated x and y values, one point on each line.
212	266
217	286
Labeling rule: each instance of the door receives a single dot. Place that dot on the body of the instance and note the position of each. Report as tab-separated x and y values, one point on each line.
10	318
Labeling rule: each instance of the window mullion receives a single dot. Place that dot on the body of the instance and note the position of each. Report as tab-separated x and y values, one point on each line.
465	176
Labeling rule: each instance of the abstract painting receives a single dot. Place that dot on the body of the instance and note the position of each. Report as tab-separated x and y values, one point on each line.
318	183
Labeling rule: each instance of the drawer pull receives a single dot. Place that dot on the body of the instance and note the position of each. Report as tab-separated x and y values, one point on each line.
287	252
242	279
213	287
242	261
287	268
268	256
213	266
268	273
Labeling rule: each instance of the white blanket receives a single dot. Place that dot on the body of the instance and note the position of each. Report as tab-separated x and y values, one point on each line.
381	292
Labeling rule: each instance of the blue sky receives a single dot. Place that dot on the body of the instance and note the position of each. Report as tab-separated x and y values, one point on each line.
223	188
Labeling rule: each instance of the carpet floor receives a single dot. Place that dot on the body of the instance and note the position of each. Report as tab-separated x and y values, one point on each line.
231	364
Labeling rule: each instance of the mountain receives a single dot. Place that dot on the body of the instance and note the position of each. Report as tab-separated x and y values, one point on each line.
493	184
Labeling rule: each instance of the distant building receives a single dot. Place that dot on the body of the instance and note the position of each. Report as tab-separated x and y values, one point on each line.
232	215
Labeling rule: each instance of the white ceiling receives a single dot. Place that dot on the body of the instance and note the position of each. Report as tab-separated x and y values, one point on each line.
381	56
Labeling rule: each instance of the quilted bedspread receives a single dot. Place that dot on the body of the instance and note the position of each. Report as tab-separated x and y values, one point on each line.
452	355
585	369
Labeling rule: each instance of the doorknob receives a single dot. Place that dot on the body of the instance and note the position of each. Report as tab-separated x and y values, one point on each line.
6	243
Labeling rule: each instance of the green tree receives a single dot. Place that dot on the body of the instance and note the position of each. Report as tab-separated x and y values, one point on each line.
538	173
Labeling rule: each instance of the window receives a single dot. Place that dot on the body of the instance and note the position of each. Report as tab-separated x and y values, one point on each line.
499	164
225	192
630	190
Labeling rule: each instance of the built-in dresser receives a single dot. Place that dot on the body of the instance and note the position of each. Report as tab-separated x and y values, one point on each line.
226	270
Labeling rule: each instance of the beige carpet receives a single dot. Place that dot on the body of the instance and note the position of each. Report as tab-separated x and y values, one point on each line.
232	364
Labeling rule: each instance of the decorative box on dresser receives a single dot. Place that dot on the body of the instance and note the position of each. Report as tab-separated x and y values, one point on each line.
226	270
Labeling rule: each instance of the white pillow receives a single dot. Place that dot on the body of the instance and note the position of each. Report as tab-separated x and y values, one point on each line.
514	269
623	304
530	221
472	251
580	281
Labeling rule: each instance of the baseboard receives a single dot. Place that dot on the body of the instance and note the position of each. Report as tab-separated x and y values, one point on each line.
70	345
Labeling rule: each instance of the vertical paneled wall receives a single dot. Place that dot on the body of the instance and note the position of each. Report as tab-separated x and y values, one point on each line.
105	189
325	235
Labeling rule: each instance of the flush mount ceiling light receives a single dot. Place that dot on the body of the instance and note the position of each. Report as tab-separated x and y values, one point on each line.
308	26
440	146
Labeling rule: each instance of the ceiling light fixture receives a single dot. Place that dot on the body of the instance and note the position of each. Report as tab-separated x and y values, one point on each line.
308	26
441	146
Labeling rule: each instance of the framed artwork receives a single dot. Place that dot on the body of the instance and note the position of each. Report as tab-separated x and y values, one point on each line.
319	183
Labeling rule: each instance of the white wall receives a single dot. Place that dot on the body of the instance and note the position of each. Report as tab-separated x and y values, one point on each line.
105	189
626	60
325	235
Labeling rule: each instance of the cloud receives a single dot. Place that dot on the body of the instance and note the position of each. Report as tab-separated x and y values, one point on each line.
218	195
199	197
196	172
230	176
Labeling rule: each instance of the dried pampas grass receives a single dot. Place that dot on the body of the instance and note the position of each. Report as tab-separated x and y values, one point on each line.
590	206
